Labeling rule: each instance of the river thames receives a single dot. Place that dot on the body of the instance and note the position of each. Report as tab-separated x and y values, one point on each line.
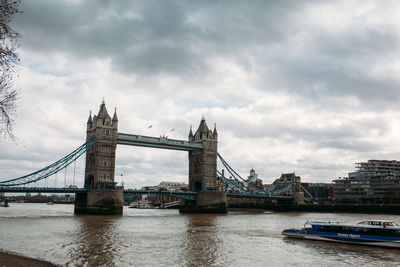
151	237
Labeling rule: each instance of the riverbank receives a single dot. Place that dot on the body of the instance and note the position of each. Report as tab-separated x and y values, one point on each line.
393	209
11	259
339	208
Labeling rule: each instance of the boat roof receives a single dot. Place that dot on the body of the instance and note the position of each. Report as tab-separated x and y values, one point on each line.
365	223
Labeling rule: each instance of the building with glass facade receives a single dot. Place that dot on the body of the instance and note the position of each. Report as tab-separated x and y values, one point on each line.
373	182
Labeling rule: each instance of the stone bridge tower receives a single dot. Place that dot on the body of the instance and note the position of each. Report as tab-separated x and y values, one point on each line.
203	163
203	173
100	158
102	196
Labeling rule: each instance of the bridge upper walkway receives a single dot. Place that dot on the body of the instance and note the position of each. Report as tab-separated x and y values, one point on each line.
157	142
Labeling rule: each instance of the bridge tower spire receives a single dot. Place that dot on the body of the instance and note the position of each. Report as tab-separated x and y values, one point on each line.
101	197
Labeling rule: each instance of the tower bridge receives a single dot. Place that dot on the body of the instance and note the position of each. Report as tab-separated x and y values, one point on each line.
99	195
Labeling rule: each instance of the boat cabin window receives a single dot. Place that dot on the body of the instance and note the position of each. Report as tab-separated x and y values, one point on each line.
379	231
307	227
377	223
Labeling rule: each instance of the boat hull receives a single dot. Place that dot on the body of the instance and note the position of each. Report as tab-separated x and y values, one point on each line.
344	238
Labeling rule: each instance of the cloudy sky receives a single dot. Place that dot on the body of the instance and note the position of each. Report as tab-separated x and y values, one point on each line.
304	86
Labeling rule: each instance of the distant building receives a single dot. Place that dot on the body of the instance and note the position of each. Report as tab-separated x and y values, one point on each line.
169	186
373	182
289	180
253	176
172	186
151	188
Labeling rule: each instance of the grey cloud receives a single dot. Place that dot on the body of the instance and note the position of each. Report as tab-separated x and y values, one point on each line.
180	38
338	64
160	38
156	40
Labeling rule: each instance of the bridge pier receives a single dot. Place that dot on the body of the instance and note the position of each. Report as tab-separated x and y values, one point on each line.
99	202
206	202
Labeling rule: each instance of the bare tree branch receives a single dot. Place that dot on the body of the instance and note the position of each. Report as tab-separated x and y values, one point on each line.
8	59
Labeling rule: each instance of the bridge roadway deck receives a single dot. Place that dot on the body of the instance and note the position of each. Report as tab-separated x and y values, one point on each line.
20	189
182	194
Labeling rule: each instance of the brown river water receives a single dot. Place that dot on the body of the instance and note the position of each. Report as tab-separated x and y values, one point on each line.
150	237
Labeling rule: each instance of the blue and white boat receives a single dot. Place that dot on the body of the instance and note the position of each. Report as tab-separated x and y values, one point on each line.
375	233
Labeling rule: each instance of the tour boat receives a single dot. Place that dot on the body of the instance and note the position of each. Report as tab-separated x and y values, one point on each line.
143	204
376	233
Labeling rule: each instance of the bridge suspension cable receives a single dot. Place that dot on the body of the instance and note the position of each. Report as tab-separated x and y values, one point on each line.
235	175
53	168
271	188
284	189
308	193
244	185
227	181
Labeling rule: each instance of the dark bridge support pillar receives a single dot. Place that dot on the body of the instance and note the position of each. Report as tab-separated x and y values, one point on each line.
211	195
102	196
99	202
206	202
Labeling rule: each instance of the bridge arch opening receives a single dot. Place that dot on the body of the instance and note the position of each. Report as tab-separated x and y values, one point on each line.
168	165
197	187
89	182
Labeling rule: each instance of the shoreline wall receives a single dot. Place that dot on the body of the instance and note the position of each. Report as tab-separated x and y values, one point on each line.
348	208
